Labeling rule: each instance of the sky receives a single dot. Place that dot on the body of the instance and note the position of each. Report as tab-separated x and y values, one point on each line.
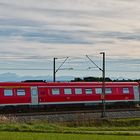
32	32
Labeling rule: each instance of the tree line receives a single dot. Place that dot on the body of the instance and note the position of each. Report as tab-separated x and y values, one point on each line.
100	79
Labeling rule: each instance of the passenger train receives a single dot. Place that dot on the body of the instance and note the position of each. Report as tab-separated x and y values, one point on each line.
43	94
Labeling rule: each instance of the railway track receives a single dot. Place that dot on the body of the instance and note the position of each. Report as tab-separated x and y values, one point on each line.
67	116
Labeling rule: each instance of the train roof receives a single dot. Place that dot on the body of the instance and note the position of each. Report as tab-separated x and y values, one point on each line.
43	83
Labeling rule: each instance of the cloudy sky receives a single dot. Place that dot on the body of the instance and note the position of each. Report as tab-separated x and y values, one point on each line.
60	28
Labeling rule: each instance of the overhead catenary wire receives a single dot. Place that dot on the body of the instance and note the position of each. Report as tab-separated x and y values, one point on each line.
61	64
68	69
73	63
94	62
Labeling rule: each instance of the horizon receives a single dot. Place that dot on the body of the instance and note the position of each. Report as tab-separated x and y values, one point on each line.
13	77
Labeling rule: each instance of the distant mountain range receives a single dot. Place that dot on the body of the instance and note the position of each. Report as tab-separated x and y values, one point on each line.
15	77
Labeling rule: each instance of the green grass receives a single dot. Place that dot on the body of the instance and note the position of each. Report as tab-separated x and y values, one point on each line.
105	122
55	128
55	136
100	127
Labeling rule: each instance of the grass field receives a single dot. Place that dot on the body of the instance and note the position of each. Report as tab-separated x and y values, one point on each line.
112	129
57	136
55	128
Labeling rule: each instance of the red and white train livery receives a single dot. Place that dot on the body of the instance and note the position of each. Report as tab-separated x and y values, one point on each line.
54	93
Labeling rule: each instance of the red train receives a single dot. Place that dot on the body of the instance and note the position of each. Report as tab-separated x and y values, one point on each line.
35	93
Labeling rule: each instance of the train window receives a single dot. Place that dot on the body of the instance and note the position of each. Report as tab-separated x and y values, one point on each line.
67	91
20	92
98	90
8	92
34	92
125	90
55	91
136	89
88	91
78	91
108	90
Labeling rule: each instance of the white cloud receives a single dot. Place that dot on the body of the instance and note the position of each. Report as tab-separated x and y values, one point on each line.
70	27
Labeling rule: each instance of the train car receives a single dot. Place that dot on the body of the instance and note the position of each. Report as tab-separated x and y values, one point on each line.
89	93
43	94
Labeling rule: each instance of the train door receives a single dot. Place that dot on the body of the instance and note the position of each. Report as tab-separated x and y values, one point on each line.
136	93
34	95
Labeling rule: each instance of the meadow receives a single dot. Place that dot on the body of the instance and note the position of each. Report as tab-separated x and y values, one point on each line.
57	136
112	129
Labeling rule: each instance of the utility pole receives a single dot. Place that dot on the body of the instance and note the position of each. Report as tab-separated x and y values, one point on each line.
103	87
103	83
54	69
